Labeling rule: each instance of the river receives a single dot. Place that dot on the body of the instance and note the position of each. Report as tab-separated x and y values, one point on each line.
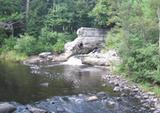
34	84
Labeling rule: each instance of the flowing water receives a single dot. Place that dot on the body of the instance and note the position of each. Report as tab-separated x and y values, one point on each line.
29	84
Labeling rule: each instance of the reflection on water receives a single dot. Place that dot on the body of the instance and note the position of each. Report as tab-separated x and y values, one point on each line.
29	84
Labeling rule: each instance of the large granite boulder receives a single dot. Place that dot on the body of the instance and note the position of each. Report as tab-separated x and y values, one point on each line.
88	39
108	58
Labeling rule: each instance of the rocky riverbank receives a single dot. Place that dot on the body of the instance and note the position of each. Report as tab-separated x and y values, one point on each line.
92	103
128	88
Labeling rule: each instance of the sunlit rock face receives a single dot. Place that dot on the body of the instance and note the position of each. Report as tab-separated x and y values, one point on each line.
88	39
107	58
73	61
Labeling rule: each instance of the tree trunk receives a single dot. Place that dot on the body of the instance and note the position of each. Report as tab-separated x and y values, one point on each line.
27	10
158	13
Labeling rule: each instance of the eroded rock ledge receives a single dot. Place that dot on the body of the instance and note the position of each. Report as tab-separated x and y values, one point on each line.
88	40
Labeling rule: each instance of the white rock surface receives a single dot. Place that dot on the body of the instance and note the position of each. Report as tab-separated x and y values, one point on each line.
44	54
73	61
92	98
7	108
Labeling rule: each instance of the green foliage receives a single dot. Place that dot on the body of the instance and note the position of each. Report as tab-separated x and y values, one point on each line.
105	13
10	10
13	56
59	46
141	63
114	38
61	40
48	37
100	13
37	11
9	44
69	15
53	41
59	17
2	36
26	44
136	40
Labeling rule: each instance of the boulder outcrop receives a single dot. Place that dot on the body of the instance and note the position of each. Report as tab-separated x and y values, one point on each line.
108	58
88	39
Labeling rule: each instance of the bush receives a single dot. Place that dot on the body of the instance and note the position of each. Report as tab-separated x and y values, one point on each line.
141	63
29	45
62	39
26	44
3	35
13	56
9	44
47	37
139	58
113	39
53	41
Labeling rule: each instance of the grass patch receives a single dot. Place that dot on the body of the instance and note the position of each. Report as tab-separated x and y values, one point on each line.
151	88
13	56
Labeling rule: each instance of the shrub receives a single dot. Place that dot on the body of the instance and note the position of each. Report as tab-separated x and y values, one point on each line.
113	39
13	56
62	39
48	37
3	35
59	46
141	63
26	44
9	44
53	41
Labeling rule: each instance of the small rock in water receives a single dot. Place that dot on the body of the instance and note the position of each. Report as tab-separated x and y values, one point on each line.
36	110
135	90
101	94
118	98
60	109
142	109
46	84
116	89
92	98
123	95
111	104
80	95
157	111
65	98
145	96
7	108
153	109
